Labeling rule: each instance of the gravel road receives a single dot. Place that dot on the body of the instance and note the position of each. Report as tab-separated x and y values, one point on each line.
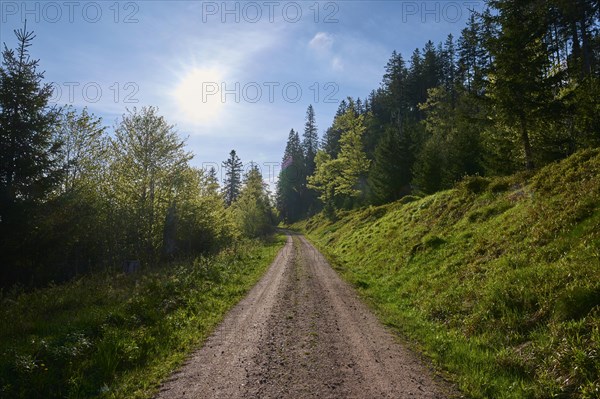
302	332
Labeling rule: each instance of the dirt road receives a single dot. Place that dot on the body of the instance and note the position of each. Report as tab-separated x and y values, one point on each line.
301	333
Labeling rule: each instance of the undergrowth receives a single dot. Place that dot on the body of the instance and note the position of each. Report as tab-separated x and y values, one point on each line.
118	336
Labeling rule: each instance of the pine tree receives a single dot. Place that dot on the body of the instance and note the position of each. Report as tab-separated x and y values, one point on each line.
395	88
310	140
29	167
473	57
430	167
233	178
310	145
448	61
292	181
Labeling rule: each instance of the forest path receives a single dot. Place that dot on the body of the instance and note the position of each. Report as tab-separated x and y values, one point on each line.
302	332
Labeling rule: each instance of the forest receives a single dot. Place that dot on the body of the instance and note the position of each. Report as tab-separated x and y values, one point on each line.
77	197
459	199
516	91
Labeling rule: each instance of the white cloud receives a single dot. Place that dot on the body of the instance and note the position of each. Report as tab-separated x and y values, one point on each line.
321	42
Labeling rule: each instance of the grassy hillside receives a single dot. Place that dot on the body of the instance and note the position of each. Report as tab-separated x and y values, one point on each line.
497	280
119	336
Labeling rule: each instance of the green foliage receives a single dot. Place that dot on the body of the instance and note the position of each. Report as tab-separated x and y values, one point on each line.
291	184
343	177
84	149
79	199
148	160
252	210
197	221
517	90
29	169
391	171
496	280
310	140
233	178
118	336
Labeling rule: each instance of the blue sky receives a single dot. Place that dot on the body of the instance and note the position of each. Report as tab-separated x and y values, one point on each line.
230	75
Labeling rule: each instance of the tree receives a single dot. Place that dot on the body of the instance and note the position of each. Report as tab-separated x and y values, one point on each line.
29	169
474	60
83	150
210	186
149	162
448	61
430	166
310	145
331	138
233	178
28	165
519	87
310	140
197	221
344	177
391	171
252	210
292	181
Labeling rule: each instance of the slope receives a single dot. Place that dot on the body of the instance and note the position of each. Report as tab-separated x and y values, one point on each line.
496	280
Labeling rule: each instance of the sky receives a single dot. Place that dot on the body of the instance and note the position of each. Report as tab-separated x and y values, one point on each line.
229	75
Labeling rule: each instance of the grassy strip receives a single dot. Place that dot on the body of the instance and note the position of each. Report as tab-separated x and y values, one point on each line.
498	280
119	336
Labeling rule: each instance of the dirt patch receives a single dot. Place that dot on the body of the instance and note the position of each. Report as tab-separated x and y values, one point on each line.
302	333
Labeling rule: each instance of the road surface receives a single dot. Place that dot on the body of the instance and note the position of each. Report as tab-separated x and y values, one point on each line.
302	332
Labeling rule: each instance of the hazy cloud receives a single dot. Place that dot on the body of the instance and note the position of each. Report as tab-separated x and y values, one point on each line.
321	42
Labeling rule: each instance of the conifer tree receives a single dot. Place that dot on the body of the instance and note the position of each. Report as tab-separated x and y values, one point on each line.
292	181
310	140
233	178
29	168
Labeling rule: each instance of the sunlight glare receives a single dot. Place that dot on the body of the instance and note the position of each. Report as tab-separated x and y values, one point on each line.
196	97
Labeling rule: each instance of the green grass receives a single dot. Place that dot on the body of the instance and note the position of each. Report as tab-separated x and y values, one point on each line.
118	336
497	280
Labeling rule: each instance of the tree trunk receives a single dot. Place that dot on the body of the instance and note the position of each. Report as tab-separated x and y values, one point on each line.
526	143
585	47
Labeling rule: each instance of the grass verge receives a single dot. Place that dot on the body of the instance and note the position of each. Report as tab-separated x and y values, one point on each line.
118	336
497	280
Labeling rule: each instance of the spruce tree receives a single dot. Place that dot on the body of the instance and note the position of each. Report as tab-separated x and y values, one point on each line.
233	178
310	145
310	140
28	165
292	181
29	168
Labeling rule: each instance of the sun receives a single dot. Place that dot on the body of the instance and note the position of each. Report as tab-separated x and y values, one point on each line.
198	95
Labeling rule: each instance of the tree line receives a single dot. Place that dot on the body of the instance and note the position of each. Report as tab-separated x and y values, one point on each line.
518	89
76	197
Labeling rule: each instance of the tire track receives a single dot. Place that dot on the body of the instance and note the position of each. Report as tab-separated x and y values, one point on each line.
302	332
